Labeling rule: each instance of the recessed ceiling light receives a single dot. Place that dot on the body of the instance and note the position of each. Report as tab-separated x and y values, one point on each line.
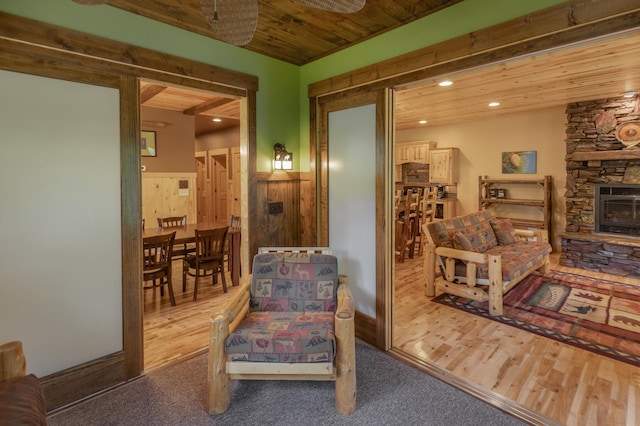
217	120
422	122
445	83
494	104
629	94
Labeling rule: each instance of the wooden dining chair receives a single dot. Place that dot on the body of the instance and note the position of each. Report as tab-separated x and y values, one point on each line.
207	260
157	252
406	222
427	213
175	222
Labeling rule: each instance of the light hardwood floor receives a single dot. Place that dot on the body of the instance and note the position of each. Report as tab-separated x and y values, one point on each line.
532	376
567	385
174	333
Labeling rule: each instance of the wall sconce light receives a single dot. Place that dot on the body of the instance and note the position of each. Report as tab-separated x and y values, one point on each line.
282	160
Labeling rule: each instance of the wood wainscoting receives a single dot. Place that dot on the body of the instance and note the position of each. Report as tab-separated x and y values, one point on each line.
161	197
292	227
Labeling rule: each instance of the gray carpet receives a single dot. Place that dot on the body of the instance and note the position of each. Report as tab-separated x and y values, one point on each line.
388	393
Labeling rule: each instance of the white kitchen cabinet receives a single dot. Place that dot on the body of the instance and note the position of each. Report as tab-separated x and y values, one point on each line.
443	166
414	152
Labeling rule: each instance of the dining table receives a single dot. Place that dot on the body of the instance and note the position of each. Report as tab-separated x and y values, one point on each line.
186	234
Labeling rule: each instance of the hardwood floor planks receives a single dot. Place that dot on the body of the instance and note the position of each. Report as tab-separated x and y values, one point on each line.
569	385
174	333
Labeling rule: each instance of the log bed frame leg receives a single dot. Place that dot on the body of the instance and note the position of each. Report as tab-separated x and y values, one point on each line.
346	352
429	269
495	285
217	378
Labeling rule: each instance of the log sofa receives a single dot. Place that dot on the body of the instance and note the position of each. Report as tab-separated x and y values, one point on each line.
481	257
21	395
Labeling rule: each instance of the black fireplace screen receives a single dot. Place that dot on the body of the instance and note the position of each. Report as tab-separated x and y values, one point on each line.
618	209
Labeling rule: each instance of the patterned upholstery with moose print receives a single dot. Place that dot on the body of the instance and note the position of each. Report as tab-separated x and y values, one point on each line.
292	307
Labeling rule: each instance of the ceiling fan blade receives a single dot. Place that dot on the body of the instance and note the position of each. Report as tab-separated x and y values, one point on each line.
234	21
340	6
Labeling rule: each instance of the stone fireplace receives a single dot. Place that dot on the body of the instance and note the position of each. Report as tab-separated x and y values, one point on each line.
603	187
617	209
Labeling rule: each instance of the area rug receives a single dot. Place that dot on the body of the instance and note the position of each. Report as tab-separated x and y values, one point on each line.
597	315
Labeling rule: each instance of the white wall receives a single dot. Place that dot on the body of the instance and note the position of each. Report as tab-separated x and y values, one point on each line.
481	144
352	200
60	245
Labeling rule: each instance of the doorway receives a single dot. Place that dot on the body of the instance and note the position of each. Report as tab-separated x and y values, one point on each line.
173	333
219	184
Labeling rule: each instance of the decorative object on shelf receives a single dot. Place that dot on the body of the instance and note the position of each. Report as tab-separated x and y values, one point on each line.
628	134
282	160
235	21
515	162
493	193
502	193
148	144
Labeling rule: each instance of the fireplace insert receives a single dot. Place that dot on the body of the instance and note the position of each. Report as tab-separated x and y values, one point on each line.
617	209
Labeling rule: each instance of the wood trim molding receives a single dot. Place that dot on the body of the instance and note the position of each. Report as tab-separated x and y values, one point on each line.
72	384
560	25
366	329
108	55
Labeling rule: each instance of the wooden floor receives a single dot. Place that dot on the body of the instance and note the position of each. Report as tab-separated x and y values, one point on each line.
516	370
174	333
568	385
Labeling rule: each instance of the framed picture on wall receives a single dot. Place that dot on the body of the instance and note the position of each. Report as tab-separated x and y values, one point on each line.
519	162
148	143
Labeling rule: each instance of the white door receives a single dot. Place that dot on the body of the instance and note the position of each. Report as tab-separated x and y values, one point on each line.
355	170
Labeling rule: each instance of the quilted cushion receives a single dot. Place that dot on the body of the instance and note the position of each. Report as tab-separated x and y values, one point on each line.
299	282
517	258
503	229
283	337
475	225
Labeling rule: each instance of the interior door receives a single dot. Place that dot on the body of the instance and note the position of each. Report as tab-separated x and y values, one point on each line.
219	183
236	178
353	180
202	188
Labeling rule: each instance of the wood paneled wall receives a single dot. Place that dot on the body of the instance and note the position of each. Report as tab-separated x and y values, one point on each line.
161	197
279	229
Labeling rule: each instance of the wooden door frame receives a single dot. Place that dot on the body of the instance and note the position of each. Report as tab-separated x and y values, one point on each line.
372	330
33	47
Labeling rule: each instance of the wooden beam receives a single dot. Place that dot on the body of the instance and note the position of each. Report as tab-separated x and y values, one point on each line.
112	56
622	154
553	27
206	106
149	92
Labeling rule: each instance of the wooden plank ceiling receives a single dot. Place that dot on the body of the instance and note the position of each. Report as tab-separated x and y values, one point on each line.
289	31
596	70
605	68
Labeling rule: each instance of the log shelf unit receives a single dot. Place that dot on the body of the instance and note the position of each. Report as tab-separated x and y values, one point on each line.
543	203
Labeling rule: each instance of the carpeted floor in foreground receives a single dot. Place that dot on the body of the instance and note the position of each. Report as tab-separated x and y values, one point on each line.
388	392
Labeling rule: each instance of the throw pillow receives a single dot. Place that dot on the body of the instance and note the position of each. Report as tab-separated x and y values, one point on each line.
503	228
461	242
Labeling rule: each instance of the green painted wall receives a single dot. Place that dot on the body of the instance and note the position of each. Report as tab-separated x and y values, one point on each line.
282	103
278	95
454	21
